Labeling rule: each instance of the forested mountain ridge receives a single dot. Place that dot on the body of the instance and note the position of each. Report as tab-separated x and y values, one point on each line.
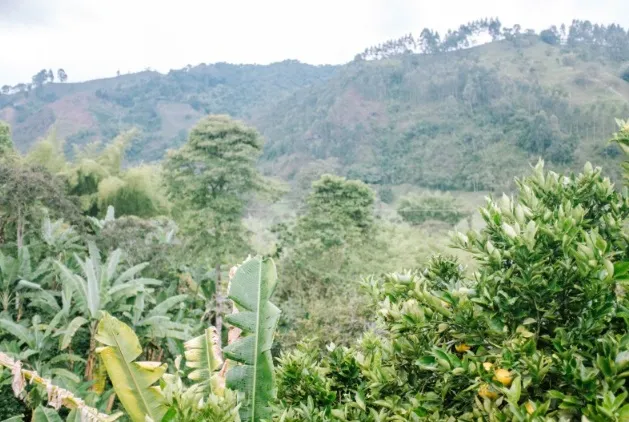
163	107
431	111
465	119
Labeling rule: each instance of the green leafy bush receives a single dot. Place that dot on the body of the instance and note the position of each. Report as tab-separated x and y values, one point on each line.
538	332
417	209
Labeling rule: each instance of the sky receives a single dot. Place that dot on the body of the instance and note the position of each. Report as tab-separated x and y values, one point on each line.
95	38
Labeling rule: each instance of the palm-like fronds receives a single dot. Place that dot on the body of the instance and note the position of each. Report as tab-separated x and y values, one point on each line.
99	286
34	344
17	273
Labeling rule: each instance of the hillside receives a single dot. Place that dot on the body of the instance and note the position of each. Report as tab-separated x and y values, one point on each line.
164	107
469	119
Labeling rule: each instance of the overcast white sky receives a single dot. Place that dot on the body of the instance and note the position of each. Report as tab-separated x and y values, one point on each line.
95	38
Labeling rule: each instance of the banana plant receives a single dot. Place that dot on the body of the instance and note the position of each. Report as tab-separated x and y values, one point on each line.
205	399
250	372
133	381
203	356
158	322
37	346
98	224
250	290
45	414
100	287
17	274
162	324
59	238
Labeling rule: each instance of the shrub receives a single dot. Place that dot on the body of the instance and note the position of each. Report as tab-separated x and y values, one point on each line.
550	37
386	195
416	209
538	332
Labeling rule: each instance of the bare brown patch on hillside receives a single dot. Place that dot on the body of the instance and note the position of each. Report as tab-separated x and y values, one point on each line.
35	126
72	114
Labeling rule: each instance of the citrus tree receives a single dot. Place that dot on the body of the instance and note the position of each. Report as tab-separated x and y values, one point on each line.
537	332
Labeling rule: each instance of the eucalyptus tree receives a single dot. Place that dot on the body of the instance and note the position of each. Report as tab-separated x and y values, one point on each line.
209	180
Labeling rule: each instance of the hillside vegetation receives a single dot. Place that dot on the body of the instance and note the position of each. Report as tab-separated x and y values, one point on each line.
467	119
430	112
163	107
120	299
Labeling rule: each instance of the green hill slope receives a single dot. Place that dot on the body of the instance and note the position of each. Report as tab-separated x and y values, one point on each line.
469	119
458	118
164	107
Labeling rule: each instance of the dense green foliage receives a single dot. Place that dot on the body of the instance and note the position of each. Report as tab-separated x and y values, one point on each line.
163	107
323	253
6	143
59	277
385	120
209	181
538	332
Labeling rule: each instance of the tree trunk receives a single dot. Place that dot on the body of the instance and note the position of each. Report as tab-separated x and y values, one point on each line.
20	229
91	355
218	323
18	307
110	403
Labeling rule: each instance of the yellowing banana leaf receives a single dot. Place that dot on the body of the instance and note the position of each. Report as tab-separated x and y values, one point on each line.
203	356
250	290
132	381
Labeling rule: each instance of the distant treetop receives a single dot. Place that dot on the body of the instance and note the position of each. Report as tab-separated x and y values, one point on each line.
609	41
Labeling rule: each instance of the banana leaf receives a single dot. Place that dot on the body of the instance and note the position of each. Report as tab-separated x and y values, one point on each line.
250	290
132	381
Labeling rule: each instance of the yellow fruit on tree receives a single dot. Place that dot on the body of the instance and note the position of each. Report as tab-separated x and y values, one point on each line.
462	347
530	407
487	366
503	376
486	392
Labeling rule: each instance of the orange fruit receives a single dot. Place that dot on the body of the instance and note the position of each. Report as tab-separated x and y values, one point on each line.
530	407
503	376
486	392
462	347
